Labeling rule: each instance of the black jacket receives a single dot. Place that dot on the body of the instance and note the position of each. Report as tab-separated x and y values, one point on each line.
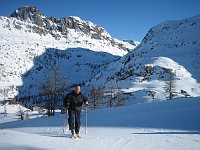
73	101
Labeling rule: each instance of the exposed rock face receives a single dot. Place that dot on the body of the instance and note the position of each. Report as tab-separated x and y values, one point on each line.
58	27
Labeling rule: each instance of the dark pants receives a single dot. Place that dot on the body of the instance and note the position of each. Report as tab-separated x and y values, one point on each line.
74	118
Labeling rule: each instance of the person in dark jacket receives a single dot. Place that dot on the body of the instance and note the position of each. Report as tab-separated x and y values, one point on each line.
73	103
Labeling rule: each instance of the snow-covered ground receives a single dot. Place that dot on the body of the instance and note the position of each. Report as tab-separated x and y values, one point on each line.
12	112
160	125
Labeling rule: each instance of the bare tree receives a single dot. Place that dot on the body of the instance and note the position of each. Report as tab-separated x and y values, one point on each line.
170	85
114	94
118	96
96	94
54	88
21	113
5	110
111	94
5	94
47	90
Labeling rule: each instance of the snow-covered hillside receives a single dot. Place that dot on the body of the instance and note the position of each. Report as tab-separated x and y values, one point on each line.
173	125
29	40
15	112
172	47
32	45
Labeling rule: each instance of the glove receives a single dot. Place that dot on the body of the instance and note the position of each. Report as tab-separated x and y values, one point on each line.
64	110
86	103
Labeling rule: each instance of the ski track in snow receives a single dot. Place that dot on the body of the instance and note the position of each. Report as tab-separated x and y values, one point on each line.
112	142
116	143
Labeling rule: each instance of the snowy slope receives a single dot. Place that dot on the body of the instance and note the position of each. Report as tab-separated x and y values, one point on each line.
172	46
13	112
27	44
162	125
11	109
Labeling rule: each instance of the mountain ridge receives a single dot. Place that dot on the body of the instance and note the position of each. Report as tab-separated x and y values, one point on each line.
59	27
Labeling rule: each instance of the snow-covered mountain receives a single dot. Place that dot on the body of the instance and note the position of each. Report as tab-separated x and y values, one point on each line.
170	48
72	28
31	44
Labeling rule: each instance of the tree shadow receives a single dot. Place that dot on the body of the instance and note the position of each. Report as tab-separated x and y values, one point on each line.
20	147
61	136
175	132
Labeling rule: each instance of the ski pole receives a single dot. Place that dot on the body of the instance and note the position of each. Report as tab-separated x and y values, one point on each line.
65	123
86	120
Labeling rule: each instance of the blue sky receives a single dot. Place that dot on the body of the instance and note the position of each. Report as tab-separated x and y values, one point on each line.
123	19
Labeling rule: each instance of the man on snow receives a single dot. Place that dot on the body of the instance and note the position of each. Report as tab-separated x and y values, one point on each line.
73	103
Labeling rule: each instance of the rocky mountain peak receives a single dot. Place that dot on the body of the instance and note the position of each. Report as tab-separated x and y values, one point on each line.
26	13
65	27
32	14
